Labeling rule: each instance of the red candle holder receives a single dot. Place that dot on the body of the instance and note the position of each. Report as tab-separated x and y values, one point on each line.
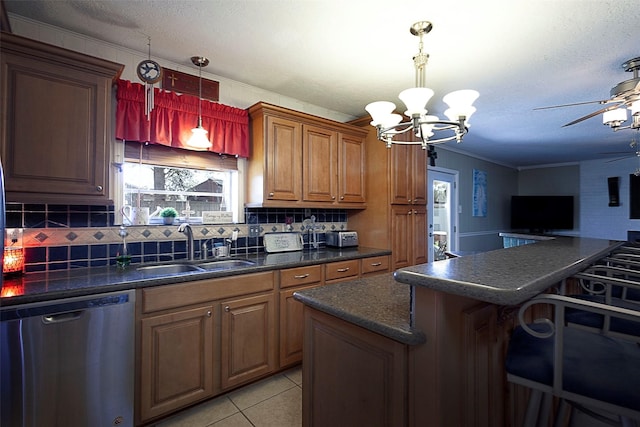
13	260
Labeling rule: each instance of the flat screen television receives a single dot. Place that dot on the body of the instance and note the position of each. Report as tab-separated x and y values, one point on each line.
542	213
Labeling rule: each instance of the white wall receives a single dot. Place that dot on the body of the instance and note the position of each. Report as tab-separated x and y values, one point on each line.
232	93
597	219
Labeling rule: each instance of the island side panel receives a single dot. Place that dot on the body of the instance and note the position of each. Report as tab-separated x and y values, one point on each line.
351	376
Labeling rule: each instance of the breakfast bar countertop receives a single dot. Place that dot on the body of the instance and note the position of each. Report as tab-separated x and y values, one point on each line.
509	276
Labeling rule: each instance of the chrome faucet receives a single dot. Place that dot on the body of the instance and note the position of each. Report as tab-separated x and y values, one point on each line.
186	229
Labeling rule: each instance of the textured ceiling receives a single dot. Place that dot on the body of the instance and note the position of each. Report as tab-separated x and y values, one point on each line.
341	55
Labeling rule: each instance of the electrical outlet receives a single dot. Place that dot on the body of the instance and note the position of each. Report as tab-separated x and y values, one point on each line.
254	231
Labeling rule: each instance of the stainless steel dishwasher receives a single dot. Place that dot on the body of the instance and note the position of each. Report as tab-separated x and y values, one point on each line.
68	362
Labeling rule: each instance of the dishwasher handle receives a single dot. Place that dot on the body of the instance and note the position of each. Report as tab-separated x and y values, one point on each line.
62	317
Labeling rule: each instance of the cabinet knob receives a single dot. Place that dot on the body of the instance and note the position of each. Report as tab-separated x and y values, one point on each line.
270	194
209	313
333	197
409	213
409	200
99	188
341	197
227	309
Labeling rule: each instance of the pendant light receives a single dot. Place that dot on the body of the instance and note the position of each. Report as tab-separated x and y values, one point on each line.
198	138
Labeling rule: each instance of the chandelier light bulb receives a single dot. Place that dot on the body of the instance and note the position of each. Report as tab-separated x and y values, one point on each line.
635	108
380	111
415	99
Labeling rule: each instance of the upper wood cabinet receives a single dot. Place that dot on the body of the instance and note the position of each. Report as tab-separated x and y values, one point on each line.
408	175
396	215
301	160
56	115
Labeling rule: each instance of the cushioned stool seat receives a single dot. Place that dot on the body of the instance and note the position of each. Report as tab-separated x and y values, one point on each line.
596	366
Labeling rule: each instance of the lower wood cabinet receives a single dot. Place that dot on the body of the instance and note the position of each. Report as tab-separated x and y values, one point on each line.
248	347
409	235
291	317
176	366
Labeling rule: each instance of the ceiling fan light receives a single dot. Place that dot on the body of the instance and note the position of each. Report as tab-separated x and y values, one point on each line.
380	112
614	117
198	138
415	99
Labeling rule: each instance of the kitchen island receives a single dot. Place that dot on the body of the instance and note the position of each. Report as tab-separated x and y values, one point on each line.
459	315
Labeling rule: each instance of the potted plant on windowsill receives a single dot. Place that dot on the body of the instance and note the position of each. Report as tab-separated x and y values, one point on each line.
168	215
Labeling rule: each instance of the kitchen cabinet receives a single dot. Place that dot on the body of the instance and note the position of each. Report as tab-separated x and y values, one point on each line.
341	271
374	265
396	214
56	115
408	175
248	347
291	320
300	160
183	331
409	235
176	368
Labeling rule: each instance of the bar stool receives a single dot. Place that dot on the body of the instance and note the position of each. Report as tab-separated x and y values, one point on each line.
583	367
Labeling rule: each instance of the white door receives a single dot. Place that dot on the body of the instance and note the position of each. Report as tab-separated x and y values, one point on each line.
442	210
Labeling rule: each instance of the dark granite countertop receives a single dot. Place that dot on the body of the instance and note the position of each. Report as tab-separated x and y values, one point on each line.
509	276
35	287
377	303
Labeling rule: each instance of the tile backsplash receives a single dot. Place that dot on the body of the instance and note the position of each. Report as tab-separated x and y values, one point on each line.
60	237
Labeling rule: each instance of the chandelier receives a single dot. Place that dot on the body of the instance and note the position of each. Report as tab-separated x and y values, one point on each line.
429	129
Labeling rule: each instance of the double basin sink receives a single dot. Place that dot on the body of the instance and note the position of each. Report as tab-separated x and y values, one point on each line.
194	266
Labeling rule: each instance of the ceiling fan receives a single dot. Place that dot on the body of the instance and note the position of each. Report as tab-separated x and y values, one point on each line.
625	95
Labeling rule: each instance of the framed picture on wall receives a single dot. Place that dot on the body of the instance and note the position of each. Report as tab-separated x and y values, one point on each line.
479	205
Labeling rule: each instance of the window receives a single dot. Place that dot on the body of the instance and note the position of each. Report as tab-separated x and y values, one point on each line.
203	187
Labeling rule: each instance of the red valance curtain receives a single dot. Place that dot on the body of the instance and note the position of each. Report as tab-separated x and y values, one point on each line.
173	117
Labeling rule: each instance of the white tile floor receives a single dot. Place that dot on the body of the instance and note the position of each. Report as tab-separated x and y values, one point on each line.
273	402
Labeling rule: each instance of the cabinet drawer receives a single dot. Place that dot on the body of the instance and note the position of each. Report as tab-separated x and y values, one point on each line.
342	269
300	276
182	294
376	264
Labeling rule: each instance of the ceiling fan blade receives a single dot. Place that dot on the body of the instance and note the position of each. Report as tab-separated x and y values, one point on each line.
618	159
595	113
571	105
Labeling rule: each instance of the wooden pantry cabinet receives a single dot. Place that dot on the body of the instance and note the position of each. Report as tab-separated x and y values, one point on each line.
56	115
302	160
396	214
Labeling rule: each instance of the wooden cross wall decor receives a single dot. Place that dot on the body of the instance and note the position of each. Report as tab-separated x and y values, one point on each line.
175	81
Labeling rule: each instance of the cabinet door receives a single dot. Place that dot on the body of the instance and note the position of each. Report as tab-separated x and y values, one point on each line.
248	347
351	169
319	165
176	360
57	127
283	159
400	236
419	234
408	175
291	326
400	174
409	235
418	175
